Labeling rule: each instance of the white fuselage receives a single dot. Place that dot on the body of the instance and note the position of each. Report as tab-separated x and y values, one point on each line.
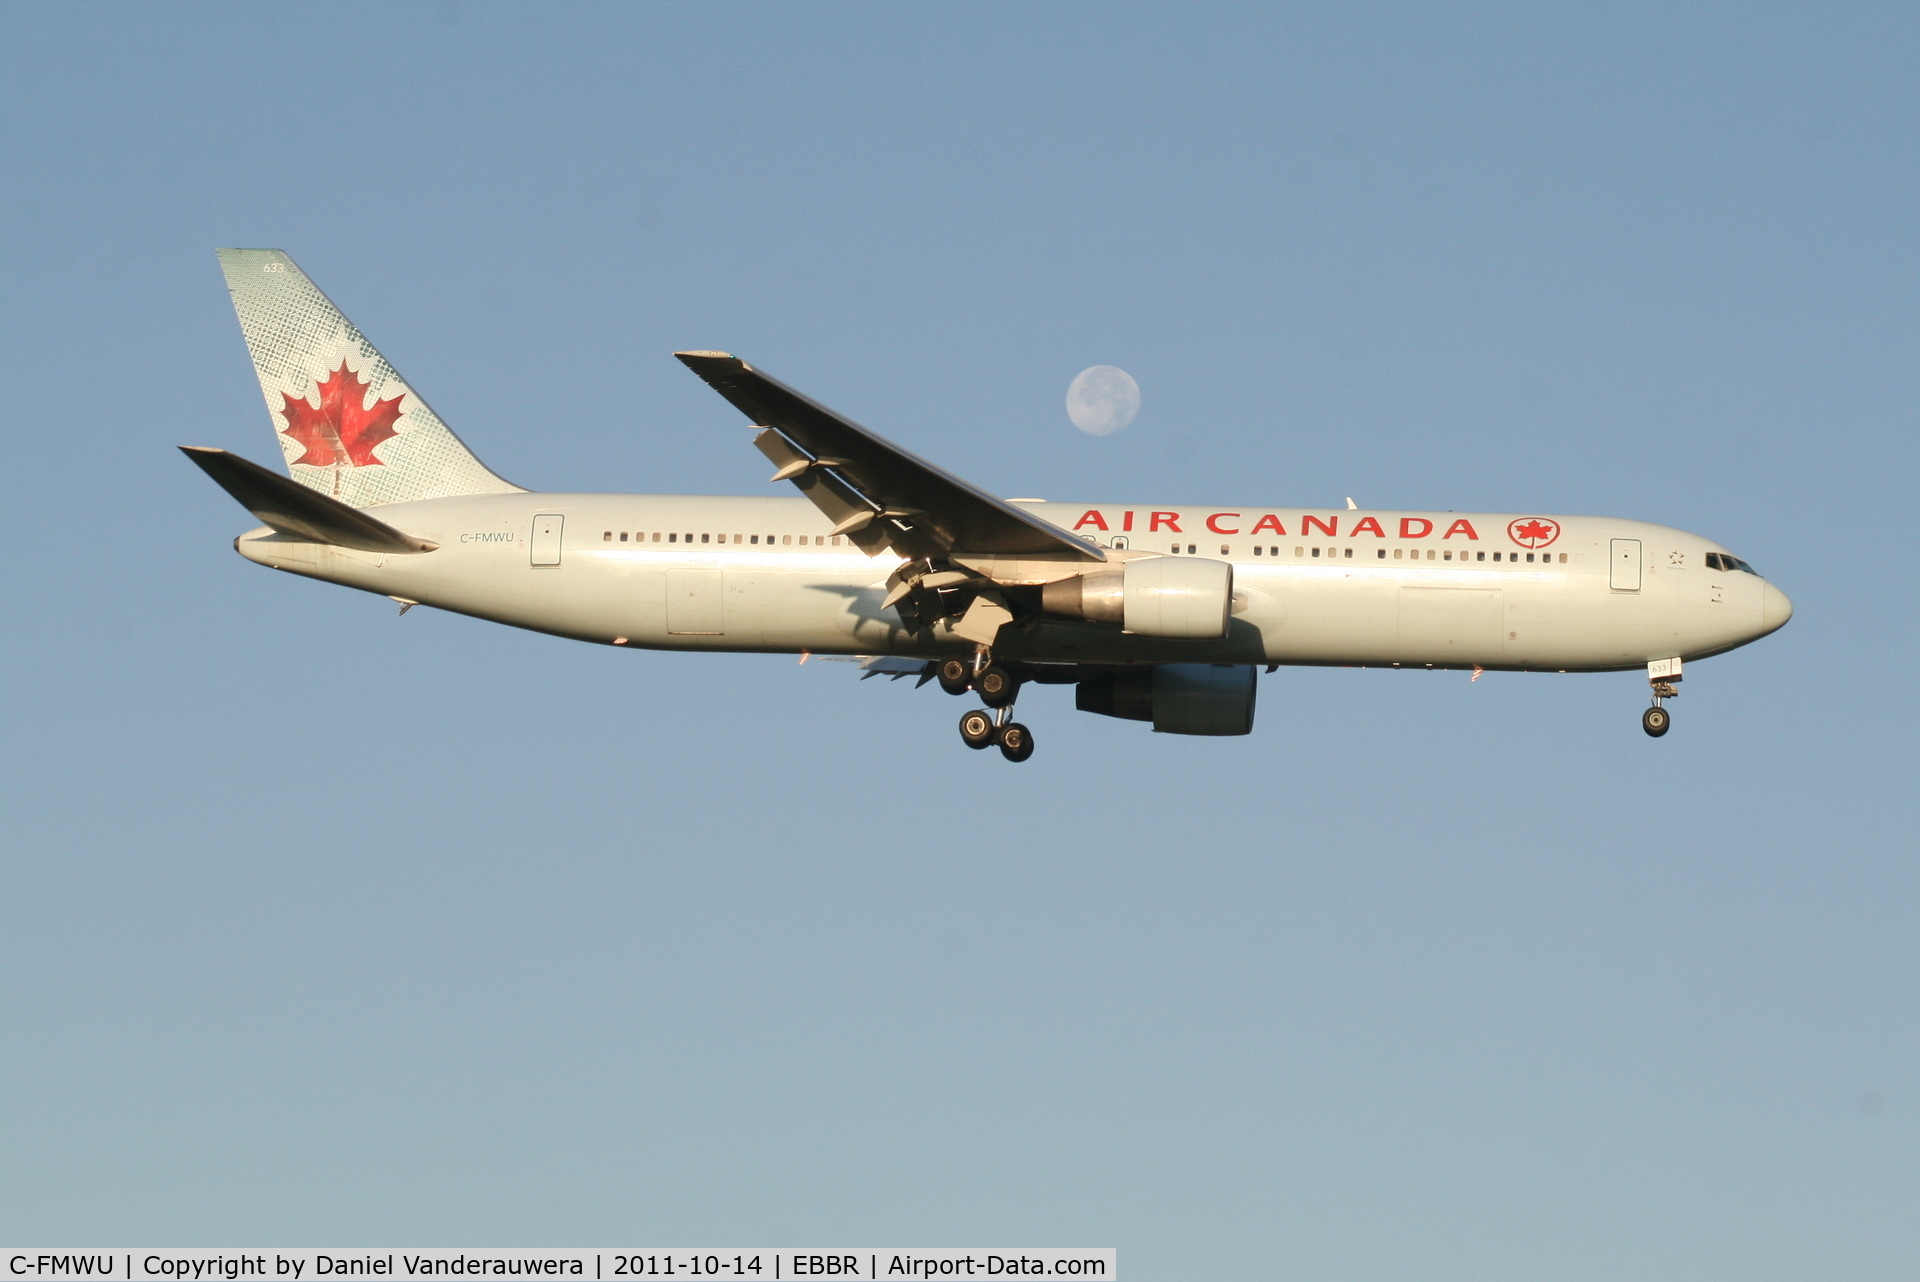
1311	586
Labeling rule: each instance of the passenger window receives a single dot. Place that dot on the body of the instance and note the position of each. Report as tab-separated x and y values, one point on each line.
623	536
1563	558
1190	549
755	539
1316	551
673	538
1429	554
1382	553
703	538
1496	556
1258	550
1224	549
1479	556
836	540
786	538
608	536
1299	551
1398	553
1273	551
1446	556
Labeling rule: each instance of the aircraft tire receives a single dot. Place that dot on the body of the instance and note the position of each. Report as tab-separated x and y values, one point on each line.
1016	741
954	675
976	728
996	686
1656	721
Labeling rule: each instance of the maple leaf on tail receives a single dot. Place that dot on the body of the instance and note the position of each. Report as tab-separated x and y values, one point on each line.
341	428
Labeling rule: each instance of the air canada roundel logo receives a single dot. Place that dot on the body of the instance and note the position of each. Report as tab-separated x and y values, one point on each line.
1533	531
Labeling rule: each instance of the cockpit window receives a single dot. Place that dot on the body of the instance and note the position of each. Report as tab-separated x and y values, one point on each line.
1725	561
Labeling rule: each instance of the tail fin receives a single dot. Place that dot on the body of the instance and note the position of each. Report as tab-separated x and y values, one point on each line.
349	425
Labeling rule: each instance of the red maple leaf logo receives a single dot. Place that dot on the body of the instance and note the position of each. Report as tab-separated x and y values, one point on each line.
341	428
1533	531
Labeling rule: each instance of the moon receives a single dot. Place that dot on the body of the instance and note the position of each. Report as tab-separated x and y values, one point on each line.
1102	399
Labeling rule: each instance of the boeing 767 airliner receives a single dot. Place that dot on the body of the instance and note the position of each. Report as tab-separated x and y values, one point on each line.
1162	613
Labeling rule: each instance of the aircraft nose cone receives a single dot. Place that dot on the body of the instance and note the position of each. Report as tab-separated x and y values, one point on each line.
1775	609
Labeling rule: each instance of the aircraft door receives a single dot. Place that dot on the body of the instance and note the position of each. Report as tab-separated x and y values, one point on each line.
545	543
695	603
1624	565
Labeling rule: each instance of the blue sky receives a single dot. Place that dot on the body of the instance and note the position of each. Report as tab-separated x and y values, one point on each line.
319	925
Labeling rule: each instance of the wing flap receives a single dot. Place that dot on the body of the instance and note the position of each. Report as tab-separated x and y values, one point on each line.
916	508
298	512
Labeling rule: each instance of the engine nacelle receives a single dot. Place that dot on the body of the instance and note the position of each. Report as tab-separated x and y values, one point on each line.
1160	596
1179	698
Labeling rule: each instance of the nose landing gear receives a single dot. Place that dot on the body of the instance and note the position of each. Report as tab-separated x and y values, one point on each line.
1663	675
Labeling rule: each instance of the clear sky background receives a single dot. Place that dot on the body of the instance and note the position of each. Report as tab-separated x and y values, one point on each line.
324	926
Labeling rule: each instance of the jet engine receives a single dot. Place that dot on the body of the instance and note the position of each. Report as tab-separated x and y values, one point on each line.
1160	596
1179	698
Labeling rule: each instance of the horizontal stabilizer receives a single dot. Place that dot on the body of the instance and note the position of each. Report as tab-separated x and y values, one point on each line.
298	512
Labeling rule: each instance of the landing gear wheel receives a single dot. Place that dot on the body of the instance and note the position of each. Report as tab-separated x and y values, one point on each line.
996	686
1656	721
954	675
977	729
1016	741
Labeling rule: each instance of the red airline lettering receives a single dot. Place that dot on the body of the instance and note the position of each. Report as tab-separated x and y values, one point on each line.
1171	518
1094	519
1368	525
1269	522
1126	522
1331	526
1461	526
1408	532
1216	516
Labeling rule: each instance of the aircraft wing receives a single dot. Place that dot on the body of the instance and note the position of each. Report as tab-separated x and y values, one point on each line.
876	493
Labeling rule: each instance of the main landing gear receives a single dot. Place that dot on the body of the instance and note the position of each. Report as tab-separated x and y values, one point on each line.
997	688
954	675
979	728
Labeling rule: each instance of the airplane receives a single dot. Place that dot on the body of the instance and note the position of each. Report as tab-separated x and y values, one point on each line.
1158	612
